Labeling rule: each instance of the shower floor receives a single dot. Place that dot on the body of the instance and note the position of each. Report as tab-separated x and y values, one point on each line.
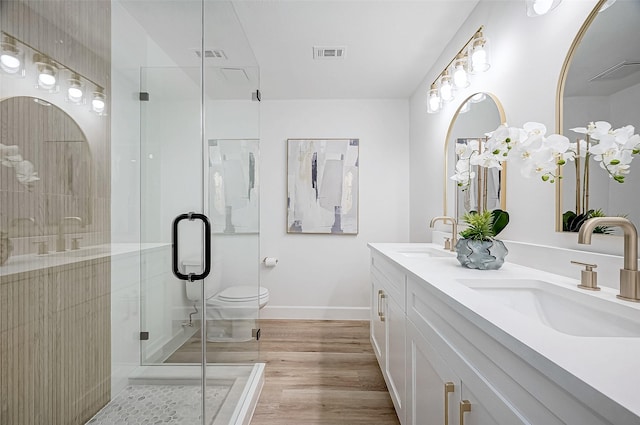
170	395
160	404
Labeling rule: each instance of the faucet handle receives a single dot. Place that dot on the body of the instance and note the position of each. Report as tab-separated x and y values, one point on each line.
588	277
75	243
447	243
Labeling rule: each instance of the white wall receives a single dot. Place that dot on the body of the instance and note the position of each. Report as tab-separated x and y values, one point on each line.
527	56
327	276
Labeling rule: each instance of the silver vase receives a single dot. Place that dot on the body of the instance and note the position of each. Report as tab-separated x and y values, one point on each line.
481	255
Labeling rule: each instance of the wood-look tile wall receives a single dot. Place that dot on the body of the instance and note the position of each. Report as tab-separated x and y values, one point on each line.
55	344
55	322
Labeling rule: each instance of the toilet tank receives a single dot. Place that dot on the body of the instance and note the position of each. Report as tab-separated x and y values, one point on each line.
193	289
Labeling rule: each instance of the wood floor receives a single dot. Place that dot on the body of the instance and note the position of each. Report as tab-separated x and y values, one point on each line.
317	373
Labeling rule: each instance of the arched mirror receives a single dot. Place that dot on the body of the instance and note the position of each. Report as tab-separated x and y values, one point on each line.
45	171
478	115
600	81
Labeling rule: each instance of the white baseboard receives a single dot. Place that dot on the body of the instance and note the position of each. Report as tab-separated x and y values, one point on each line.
315	313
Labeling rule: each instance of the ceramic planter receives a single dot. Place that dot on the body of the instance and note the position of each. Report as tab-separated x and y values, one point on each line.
5	248
481	255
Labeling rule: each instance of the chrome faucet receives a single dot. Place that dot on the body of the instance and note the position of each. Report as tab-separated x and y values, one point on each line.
629	275
60	242
454	228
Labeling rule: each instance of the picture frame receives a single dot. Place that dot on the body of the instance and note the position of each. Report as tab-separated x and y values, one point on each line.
323	186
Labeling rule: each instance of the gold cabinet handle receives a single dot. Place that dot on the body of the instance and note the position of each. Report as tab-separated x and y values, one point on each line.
382	297
465	406
448	388
380	292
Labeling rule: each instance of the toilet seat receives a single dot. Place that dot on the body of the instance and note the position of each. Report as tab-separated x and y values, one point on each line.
241	294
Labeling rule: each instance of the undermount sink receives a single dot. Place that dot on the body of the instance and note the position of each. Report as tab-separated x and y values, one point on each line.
562	308
424	252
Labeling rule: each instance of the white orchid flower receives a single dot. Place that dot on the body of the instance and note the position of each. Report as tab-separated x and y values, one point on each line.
535	133
25	172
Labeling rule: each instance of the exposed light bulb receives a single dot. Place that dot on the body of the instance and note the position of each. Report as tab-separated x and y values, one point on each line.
479	59
446	89
460	77
10	63
47	73
75	94
433	100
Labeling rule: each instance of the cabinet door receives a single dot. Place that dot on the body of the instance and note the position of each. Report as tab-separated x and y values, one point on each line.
396	354
433	390
377	325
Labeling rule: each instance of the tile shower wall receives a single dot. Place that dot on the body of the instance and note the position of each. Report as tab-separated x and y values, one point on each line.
55	322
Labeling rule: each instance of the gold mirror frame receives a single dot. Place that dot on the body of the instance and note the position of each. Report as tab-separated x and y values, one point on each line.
503	177
560	101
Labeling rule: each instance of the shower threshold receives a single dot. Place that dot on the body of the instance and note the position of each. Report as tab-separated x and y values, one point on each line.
171	394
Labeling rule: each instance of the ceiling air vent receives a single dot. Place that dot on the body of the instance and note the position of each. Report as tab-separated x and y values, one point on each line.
335	52
211	53
618	71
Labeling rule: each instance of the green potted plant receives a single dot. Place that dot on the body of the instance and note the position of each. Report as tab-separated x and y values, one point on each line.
477	247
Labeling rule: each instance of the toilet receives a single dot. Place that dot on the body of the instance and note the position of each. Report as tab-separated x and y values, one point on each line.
232	312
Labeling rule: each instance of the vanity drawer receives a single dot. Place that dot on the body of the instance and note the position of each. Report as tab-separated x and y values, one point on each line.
391	277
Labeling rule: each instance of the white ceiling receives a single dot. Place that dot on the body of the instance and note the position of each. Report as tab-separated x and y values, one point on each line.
391	44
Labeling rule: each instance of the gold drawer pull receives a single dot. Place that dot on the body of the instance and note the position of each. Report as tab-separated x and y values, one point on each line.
465	406
448	388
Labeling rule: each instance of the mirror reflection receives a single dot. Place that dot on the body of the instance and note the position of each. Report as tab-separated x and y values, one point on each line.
478	115
602	84
46	167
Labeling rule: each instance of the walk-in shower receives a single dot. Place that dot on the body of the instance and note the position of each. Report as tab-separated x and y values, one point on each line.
117	116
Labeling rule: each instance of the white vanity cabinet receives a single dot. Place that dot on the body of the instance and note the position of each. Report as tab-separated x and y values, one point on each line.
437	394
388	327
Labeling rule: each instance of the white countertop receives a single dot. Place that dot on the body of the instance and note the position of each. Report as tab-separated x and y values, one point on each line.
29	262
608	365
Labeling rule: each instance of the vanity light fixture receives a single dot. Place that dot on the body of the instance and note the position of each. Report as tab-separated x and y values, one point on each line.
460	75
446	88
541	7
479	53
11	58
433	100
47	73
473	58
98	101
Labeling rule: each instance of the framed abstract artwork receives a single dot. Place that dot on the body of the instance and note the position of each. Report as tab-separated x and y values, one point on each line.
322	186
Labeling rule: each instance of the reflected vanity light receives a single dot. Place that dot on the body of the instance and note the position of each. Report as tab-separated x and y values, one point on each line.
75	89
478	97
49	74
466	107
433	100
541	7
98	101
11	58
606	5
472	58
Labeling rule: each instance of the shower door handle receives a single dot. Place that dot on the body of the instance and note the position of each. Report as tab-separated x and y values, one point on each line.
207	247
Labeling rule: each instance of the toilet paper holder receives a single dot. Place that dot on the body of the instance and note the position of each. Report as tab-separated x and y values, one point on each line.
270	261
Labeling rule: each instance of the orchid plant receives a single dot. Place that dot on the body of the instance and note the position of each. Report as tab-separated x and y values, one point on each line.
537	154
25	171
614	149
